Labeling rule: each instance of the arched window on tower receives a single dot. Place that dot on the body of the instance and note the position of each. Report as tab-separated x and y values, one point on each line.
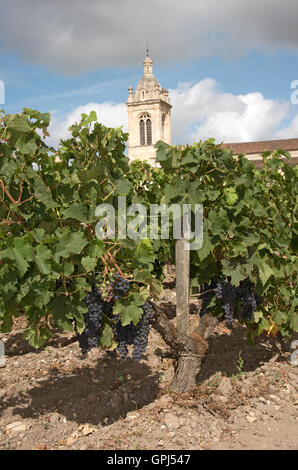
145	130
149	132
142	132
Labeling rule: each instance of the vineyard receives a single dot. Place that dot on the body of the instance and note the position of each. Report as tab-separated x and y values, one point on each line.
58	275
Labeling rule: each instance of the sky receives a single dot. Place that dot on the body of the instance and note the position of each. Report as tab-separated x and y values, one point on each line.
229	65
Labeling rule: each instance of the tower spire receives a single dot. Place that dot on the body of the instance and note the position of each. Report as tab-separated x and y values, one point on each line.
149	115
147	63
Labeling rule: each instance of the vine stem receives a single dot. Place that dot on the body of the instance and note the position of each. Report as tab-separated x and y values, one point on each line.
115	264
13	201
113	190
78	275
2	191
15	332
25	200
202	293
107	268
7	193
21	192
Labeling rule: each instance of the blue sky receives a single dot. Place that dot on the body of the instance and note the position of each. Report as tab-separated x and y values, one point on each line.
228	68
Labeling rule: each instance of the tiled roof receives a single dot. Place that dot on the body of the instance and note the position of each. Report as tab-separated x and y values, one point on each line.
261	146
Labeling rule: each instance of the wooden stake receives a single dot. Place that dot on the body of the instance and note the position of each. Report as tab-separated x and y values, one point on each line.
182	287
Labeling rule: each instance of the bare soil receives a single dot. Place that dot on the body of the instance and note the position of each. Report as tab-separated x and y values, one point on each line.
246	397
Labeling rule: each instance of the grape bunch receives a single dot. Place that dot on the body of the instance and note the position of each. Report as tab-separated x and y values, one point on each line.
101	301
93	319
106	292
225	292
141	338
248	299
121	286
114	289
241	299
67	283
124	335
136	335
219	289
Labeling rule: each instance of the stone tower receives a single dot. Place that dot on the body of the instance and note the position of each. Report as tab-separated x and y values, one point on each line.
149	116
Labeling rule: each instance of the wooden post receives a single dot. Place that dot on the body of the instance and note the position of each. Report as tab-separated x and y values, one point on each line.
187	362
182	277
190	349
182	287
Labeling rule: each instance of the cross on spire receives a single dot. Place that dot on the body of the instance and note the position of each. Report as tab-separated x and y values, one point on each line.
147	50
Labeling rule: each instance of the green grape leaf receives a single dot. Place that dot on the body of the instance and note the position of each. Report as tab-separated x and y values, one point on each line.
43	259
106	337
42	193
89	263
70	242
129	309
76	211
123	187
23	253
231	196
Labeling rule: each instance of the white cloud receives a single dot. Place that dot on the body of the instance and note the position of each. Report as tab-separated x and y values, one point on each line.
109	113
290	131
75	36
200	110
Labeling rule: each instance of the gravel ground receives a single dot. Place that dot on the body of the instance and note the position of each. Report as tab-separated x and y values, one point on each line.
246	397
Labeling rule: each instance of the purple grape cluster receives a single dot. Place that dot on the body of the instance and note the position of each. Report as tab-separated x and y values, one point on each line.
141	338
249	301
225	292
136	335
219	289
121	286
124	335
101	301
93	319
114	290
241	299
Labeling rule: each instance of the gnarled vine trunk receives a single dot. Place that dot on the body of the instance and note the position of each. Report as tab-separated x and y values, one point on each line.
189	351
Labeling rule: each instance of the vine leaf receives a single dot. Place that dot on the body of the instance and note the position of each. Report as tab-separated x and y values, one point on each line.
89	263
23	254
70	242
43	259
129	308
76	211
106	337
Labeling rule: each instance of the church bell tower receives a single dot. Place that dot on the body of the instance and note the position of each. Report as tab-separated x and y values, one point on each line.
149	116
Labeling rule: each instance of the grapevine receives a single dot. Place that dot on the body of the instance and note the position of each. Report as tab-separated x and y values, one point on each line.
57	273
